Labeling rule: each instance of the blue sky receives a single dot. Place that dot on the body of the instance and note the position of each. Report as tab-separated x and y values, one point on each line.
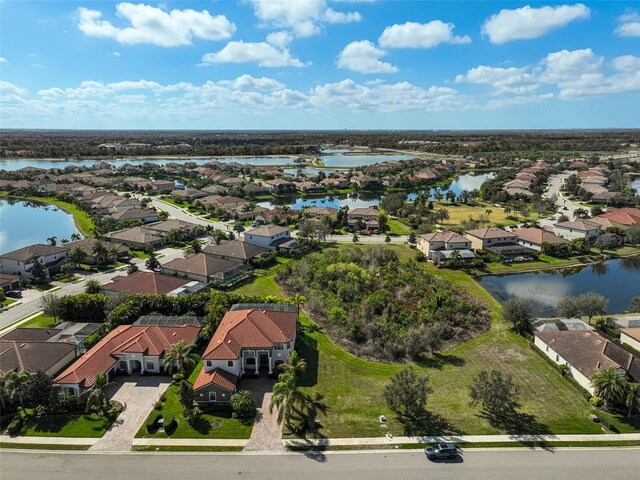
319	64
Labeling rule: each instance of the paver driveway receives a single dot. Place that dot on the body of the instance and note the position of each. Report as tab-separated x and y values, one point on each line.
139	394
267	433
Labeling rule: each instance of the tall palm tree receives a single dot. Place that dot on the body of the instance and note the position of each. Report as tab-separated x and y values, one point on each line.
97	398
52	240
99	250
286	209
179	357
632	401
92	286
77	255
15	384
113	252
285	396
610	384
75	237
294	365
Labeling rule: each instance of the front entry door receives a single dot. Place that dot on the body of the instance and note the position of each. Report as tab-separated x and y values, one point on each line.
264	359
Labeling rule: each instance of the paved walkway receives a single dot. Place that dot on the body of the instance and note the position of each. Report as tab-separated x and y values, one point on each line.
267	433
139	394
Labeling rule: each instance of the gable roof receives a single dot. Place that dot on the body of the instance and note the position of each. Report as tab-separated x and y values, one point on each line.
145	282
589	350
26	254
267	231
446	236
537	236
624	216
202	264
30	334
150	340
582	225
250	329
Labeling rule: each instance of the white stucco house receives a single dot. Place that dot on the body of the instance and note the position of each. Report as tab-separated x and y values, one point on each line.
20	262
585	229
267	236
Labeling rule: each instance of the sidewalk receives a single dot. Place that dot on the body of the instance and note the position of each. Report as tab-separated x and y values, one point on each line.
390	440
49	440
188	442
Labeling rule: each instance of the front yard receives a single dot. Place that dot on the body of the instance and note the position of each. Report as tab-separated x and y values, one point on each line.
207	426
70	425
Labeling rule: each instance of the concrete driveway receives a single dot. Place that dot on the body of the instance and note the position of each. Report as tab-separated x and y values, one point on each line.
138	394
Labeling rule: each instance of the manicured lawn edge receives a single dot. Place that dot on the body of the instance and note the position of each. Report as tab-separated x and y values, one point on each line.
176	448
42	446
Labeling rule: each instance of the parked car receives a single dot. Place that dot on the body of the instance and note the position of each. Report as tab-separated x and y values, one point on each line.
441	450
14	293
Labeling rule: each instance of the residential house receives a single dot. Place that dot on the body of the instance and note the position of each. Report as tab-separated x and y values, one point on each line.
310	187
364	214
9	282
255	189
279	186
248	339
366	182
164	227
631	337
320	212
30	356
20	262
189	194
136	237
584	352
335	183
152	283
145	215
620	216
235	251
534	238
481	238
267	236
438	246
126	349
87	246
585	229
204	268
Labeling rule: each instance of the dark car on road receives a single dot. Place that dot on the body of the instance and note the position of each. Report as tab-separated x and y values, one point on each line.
441	450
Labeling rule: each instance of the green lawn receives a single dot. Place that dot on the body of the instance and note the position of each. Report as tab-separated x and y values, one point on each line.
140	254
72	425
396	227
352	387
228	428
262	286
459	212
41	321
544	262
6	302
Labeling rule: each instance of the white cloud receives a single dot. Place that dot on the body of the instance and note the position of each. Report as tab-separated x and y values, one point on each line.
3	60
279	39
247	82
7	88
506	102
262	53
115	54
575	74
133	85
364	57
155	26
527	23
629	24
304	18
420	35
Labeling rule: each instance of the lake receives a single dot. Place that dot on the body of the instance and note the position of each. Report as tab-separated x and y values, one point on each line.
25	223
346	161
618	280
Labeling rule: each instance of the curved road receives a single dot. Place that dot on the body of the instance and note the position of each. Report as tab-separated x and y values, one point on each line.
504	464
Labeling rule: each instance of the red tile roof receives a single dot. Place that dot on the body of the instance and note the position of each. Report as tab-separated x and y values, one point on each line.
151	340
146	282
623	216
217	377
250	329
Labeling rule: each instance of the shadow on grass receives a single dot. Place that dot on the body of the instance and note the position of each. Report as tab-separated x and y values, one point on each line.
425	424
516	423
439	361
307	346
55	423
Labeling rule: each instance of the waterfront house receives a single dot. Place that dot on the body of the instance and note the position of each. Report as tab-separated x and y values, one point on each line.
20	262
439	245
585	229
267	236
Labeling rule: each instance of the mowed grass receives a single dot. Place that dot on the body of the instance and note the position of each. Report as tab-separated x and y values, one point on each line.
171	408
396	227
352	387
40	321
459	212
71	425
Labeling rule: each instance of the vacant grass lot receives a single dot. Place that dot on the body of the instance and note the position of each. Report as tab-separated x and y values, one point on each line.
459	212
352	387
228	428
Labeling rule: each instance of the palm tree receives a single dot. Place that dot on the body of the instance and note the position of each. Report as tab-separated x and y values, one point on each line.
77	255
610	384
285	396
97	398
286	209
99	250
632	401
298	300
179	357
295	364
93	286
113	251
312	406
52	240
75	237
15	384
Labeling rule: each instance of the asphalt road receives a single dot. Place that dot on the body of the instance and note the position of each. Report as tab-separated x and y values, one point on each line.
565	464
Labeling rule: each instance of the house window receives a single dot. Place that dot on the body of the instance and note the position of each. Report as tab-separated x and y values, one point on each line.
547	348
212	396
251	361
123	365
230	363
557	358
151	366
278	346
209	363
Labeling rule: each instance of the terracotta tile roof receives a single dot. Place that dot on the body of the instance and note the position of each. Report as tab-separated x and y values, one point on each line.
217	377
250	329
624	216
589	350
582	225
32	356
235	249
537	236
490	232
145	282
151	340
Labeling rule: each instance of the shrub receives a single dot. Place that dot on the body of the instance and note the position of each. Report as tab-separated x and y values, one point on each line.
15	425
243	405
596	401
170	425
420	257
177	377
152	425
